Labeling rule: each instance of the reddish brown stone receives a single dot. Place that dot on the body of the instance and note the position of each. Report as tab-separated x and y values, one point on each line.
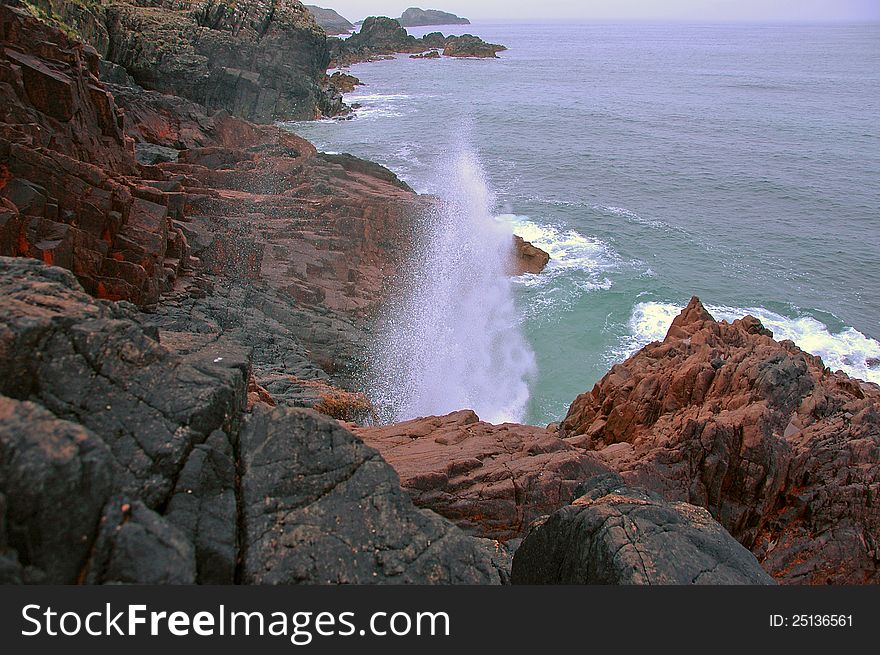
783	452
527	257
491	480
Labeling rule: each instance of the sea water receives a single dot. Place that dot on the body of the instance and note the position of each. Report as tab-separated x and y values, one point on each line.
739	163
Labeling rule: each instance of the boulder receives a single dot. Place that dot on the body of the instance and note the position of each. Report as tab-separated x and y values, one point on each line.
527	257
137	546
614	534
782	451
322	507
44	463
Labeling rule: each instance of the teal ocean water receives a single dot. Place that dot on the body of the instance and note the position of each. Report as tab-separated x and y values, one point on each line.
740	163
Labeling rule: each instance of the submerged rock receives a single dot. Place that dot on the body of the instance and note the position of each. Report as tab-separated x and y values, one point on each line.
613	534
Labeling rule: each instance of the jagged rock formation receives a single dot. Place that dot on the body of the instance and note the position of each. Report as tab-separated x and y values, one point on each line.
261	60
330	20
381	37
67	195
468	45
491	480
415	17
783	452
613	534
145	431
529	258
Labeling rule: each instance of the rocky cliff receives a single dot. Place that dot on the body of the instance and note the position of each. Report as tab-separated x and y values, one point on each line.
330	21
149	441
415	17
196	441
782	451
261	60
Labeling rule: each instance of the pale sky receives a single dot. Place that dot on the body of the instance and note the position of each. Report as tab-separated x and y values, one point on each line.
704	10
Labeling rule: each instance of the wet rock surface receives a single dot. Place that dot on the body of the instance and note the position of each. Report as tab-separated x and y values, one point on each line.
528	258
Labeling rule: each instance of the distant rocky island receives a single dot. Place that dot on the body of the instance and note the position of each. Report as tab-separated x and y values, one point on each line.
415	17
185	291
331	21
380	37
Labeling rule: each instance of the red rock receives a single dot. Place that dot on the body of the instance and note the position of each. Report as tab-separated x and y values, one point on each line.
784	453
527	257
491	480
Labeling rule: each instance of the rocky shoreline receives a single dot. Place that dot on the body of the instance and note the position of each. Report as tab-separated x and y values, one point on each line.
185	297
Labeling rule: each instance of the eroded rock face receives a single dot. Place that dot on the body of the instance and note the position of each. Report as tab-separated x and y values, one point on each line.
783	452
69	188
491	480
261	60
613	534
123	460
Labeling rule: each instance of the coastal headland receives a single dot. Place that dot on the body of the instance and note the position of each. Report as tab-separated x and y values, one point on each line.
186	291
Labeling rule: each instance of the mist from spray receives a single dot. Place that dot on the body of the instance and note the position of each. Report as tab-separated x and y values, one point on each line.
452	338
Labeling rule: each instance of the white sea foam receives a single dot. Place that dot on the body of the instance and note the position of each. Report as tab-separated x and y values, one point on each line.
630	215
848	350
453	338
379	105
568	249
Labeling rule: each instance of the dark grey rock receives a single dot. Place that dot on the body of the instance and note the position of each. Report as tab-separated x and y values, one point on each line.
151	154
137	546
619	535
203	507
321	507
44	464
91	363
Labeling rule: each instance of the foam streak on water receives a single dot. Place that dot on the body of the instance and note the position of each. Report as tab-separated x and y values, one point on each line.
452	339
